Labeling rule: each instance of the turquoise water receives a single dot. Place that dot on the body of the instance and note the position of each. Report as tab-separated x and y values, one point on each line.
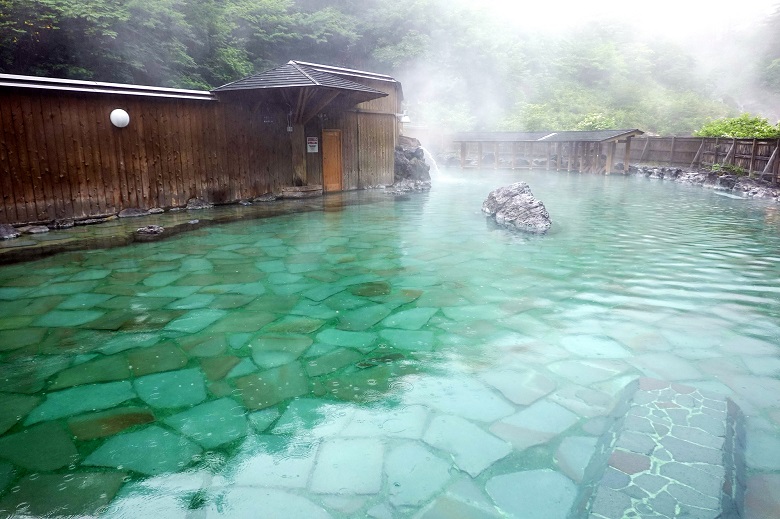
381	359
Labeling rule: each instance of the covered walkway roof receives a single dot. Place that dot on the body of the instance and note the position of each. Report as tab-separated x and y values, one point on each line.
547	136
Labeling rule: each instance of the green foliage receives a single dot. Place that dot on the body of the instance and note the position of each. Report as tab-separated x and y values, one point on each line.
596	121
460	69
744	126
729	168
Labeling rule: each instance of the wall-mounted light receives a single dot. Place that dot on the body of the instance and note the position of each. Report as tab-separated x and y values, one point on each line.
119	118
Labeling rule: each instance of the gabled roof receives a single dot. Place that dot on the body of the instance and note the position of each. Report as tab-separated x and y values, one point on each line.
565	136
298	74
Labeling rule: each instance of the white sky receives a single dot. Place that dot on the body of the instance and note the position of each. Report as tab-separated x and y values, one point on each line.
692	17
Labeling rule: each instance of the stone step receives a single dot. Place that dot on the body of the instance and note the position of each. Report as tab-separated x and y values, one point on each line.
671	451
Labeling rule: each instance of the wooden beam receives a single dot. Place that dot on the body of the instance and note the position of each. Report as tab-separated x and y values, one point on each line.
479	155
715	154
671	154
627	155
752	158
771	162
463	151
611	147
644	150
314	108
495	155
730	154
698	153
298	148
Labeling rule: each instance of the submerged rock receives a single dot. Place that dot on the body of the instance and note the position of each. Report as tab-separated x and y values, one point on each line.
37	229
8	232
132	212
515	206
742	186
197	203
268	197
150	229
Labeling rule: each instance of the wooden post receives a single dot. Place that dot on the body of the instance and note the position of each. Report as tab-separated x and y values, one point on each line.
671	155
479	155
612	146
298	146
570	150
777	163
627	155
549	155
463	151
771	162
752	158
514	154
698	153
715	156
557	156
731	153
644	150
495	155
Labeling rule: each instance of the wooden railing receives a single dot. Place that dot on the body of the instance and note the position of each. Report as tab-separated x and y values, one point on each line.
755	156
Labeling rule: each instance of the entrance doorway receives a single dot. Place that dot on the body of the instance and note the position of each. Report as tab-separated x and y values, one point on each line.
332	169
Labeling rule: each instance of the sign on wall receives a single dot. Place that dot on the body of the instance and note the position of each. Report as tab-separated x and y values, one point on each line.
312	144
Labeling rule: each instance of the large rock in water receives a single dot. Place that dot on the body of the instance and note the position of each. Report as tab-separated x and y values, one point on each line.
514	206
411	172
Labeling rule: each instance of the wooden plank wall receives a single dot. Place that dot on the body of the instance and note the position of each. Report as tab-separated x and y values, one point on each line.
367	156
751	155
61	158
376	160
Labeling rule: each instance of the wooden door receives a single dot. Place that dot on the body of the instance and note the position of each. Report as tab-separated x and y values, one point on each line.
332	168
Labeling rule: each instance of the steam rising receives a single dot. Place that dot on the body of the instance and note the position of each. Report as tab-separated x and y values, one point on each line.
703	50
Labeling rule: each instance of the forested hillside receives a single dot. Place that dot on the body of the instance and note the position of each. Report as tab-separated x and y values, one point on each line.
459	68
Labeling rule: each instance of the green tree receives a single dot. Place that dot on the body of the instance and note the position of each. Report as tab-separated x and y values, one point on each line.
744	126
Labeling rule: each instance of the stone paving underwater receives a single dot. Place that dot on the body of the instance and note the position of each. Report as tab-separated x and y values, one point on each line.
403	358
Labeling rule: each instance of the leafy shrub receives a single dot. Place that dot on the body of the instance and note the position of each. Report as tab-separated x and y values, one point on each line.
743	127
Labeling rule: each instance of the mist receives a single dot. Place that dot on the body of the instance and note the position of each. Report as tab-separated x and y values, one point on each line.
665	67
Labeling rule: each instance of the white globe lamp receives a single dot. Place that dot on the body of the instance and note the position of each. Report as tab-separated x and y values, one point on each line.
120	118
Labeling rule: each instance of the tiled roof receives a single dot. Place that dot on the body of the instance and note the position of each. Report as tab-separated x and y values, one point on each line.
296	74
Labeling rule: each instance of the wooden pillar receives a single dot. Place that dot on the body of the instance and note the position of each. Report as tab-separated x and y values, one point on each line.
495	155
463	153
557	156
514	153
715	153
697	157
627	155
479	155
611	147
752	158
644	150
549	155
777	164
298	144
772	164
572	153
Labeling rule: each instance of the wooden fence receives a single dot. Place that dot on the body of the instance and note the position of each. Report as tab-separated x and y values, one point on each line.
757	157
754	156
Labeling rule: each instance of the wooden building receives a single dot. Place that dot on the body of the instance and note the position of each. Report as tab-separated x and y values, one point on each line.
583	151
299	124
